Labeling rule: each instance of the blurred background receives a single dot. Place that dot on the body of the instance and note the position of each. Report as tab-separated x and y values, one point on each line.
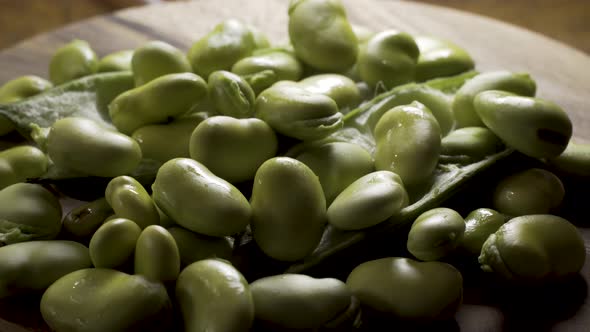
565	20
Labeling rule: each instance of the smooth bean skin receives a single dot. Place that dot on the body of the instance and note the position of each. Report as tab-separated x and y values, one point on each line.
474	142
337	165
362	33
295	112
35	265
368	201
113	244
260	39
167	96
283	230
408	143
228	42
19	163
435	234
84	220
19	89
536	127
297	301
439	58
321	34
97	300
463	103
84	146
408	289
533	191
163	142
338	87
265	67
574	160
534	248
388	58
479	225
28	212
214	296
231	94
156	255
116	61
233	149
195	247
157	58
73	60
130	200
198	200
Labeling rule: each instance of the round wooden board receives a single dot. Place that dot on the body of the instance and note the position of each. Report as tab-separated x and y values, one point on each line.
562	73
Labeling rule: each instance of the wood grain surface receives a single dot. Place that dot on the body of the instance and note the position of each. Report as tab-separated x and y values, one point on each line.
561	72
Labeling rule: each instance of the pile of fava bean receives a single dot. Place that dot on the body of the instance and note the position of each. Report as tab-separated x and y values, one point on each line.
343	129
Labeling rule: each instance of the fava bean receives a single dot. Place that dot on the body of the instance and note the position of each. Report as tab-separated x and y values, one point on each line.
574	160
283	230
342	89
113	243
479	225
84	146
198	200
231	94
116	61
156	102
435	234
472	142
19	89
195	247
267	66
85	219
214	296
130	200
440	58
534	248
321	35
536	127
156	255
155	59
533	191
20	163
28	212
73	60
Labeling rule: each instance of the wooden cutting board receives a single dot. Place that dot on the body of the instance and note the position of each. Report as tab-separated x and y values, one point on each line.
562	75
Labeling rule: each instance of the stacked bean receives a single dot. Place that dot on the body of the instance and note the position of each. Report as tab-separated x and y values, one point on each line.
217	119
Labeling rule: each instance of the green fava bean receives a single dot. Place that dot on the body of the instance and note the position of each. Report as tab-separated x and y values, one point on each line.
19	89
463	103
295	112
231	94
534	248
408	143
479	225
155	59
198	200
368	201
342	89
283	230
266	67
474	143
533	191
35	265
362	33
98	300
321	34
85	219
214	296
440	58
536	127
84	146
163	142
73	60
408	289
388	58
130	200
113	243
228	42
195	247
574	160
116	61
167	96
233	149
28	212
297	301
337	165
260	39
435	234
156	255
20	163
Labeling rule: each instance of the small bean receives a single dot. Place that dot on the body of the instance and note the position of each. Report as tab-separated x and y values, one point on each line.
20	163
575	159
435	234
440	58
155	59
267	66
231	94
85	219
19	89
479	225
195	247
156	255
473	142
116	61
130	200
342	89
113	243
73	60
